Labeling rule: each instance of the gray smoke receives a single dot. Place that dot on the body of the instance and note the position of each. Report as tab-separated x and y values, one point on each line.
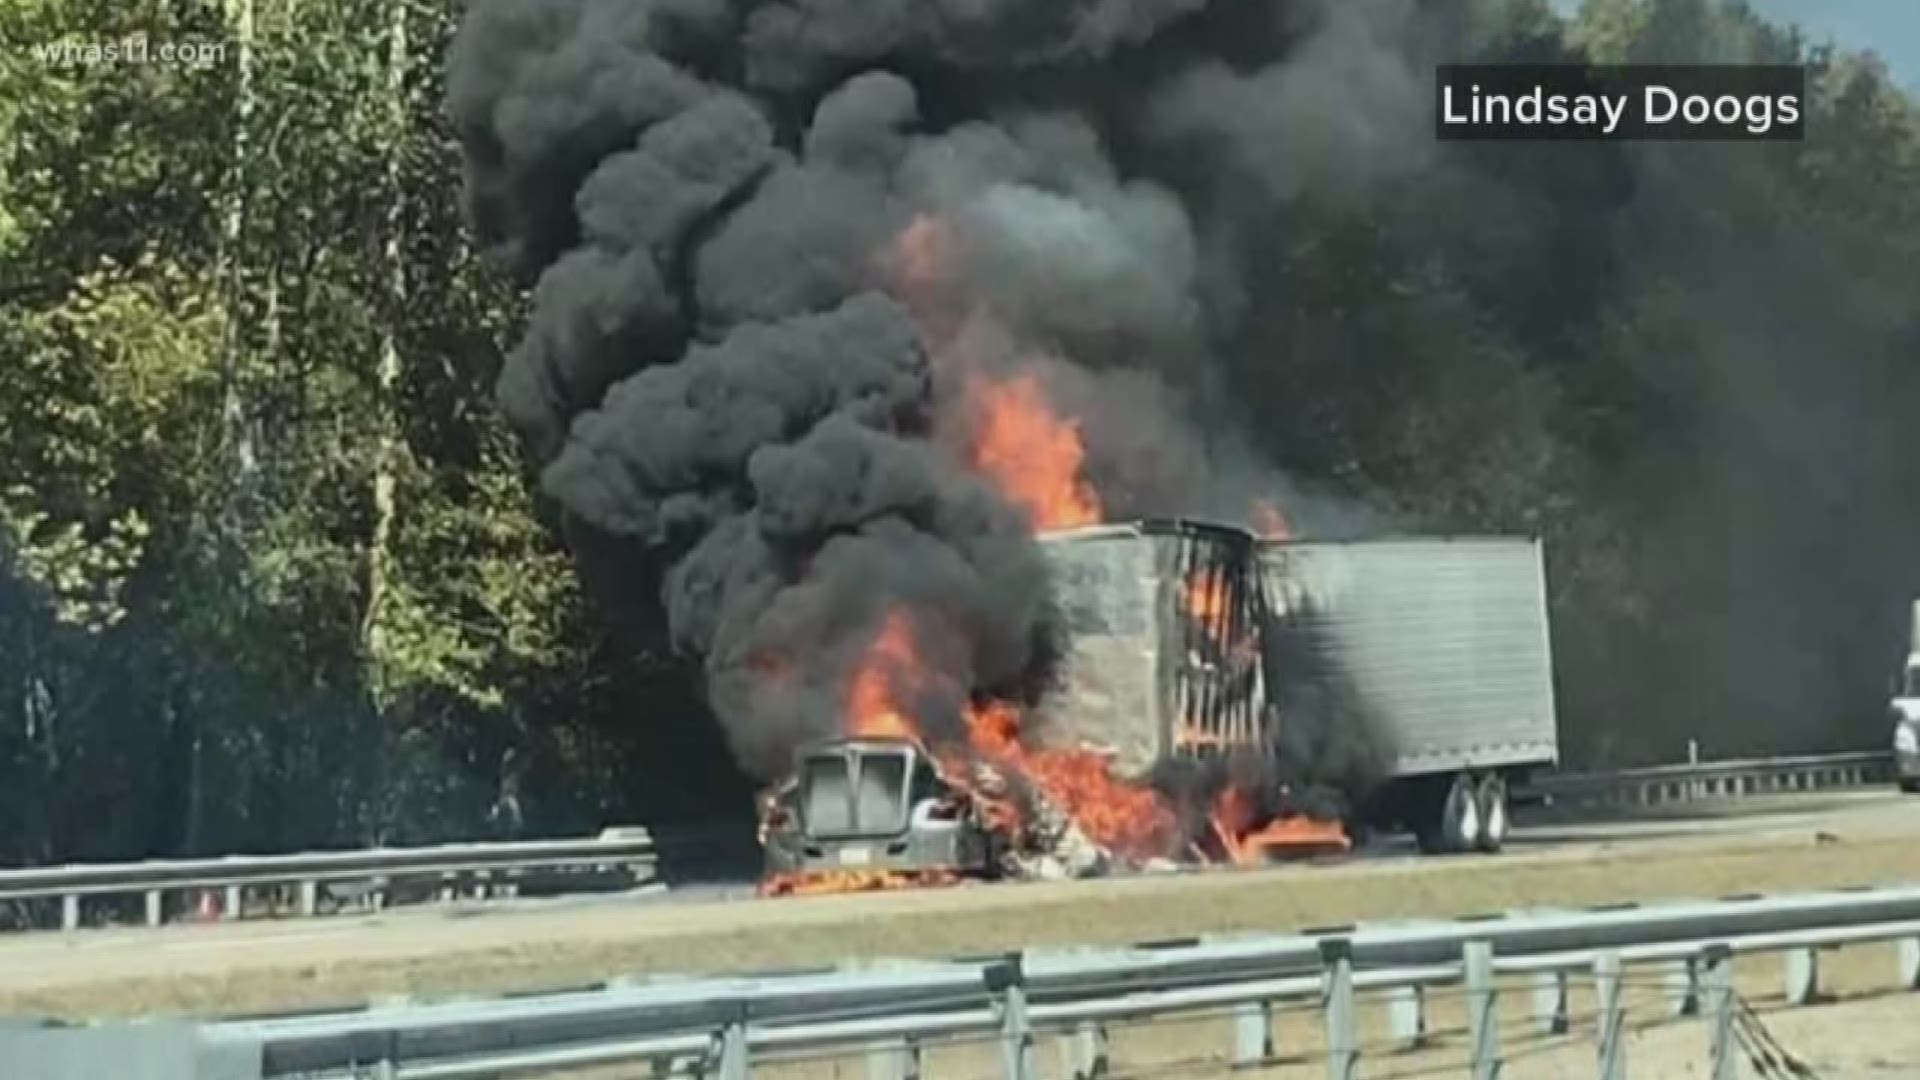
792	45
1346	109
770	243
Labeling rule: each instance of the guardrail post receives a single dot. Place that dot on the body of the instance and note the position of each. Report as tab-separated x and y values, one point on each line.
385	1062
1252	1034
898	1059
1343	1051
1803	975
155	907
1407	1016
70	912
1718	961
1084	1051
309	898
232	903
1907	958
1550	1002
1016	1035
1683	988
1612	1018
1482	1022
734	1051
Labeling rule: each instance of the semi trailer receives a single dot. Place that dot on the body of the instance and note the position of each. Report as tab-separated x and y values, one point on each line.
1442	650
1427	660
1431	656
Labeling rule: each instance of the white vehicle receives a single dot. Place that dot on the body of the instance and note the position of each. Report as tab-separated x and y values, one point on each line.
1905	710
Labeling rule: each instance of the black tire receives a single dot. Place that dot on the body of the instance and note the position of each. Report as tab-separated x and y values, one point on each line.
1911	787
1495	817
1460	816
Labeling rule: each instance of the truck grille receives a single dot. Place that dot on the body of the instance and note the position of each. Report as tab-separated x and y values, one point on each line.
857	793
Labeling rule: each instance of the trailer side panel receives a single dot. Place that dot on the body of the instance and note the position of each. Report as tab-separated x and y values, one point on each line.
1444	641
1107	682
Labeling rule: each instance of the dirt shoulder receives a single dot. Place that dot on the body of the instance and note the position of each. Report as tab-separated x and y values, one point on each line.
317	963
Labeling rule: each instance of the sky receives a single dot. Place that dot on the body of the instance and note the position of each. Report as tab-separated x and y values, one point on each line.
1888	27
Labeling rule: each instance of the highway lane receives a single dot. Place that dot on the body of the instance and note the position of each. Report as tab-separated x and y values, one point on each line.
1542	831
1785	842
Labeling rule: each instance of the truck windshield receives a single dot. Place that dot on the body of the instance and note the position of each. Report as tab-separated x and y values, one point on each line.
856	793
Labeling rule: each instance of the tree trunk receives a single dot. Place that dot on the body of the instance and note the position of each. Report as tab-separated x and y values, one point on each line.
236	443
388	457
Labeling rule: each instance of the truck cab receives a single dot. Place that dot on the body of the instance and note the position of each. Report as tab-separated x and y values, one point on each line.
872	806
1905	714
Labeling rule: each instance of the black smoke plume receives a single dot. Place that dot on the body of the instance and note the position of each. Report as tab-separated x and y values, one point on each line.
769	242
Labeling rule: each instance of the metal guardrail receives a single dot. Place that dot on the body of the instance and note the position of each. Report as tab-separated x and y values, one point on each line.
719	1027
477	869
488	869
1693	782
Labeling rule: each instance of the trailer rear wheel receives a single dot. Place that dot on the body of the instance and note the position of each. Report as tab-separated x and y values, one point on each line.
1494	823
1460	816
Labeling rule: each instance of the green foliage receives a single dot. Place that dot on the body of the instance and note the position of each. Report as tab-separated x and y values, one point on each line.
194	296
115	370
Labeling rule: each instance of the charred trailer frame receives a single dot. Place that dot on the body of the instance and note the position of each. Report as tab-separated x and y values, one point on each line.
1162	651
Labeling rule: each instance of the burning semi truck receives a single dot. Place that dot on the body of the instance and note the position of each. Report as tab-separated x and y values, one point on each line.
1216	697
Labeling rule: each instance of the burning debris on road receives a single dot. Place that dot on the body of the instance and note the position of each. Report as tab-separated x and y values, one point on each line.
833	344
1035	811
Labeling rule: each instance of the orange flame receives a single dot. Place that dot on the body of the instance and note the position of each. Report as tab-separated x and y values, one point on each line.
921	252
845	881
1207	599
1248	841
1017	439
1030	452
873	710
1131	821
1269	521
1128	819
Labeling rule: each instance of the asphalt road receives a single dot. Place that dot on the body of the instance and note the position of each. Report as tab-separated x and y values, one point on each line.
1797	841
